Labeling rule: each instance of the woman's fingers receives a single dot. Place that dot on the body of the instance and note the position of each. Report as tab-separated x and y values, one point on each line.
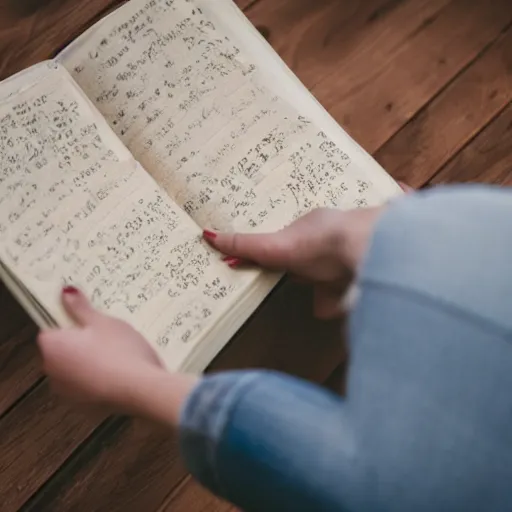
48	339
272	250
78	306
57	347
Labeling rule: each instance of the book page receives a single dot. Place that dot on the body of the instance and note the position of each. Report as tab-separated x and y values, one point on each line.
76	208
25	78
202	119
282	81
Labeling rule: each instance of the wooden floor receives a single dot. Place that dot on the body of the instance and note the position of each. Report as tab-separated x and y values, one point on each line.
424	85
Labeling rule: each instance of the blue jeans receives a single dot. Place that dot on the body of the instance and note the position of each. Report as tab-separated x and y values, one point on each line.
427	421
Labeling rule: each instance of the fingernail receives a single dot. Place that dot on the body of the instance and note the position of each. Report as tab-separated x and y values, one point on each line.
232	261
70	290
209	235
229	259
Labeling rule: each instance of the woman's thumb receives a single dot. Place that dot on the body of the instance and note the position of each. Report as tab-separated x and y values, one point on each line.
78	307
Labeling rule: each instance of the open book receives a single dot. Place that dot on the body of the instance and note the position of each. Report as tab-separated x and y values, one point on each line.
166	117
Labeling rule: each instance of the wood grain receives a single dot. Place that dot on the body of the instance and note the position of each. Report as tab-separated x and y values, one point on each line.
12	317
323	40
379	60
486	158
19	364
244	4
48	28
397	87
128	466
424	145
35	438
190	496
20	369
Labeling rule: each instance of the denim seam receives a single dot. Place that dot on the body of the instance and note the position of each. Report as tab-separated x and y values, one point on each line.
439	304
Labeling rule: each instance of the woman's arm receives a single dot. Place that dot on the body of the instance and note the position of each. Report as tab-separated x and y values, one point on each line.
269	442
426	422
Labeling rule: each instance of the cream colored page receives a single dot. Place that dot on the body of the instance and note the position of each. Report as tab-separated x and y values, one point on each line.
75	208
198	115
281	80
23	79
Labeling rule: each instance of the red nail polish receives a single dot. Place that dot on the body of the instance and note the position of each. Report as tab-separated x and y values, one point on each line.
230	259
209	235
234	262
70	290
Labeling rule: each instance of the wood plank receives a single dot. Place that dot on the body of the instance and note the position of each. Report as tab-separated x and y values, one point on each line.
148	457
244	4
368	61
19	364
20	368
190	496
425	144
12	316
47	27
398	86
283	336
36	437
487	158
319	39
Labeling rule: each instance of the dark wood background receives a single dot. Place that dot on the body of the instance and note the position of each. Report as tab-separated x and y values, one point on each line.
423	85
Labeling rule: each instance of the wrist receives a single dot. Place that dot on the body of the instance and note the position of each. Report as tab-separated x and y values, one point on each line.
154	394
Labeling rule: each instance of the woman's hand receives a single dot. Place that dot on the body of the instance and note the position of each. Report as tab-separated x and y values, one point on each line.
325	247
105	362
